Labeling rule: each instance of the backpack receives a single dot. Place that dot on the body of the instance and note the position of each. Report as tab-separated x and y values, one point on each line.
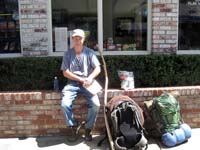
126	123
164	112
164	120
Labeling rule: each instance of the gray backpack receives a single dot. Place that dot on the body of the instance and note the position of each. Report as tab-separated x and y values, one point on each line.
126	123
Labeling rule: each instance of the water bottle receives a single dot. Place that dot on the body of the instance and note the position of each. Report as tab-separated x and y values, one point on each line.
55	84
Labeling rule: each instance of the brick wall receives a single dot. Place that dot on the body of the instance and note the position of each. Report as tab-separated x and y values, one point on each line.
38	113
164	26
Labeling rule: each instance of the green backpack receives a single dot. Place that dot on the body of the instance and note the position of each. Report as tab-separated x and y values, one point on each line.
164	114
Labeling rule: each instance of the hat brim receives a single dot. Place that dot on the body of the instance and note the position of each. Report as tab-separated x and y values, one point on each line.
75	34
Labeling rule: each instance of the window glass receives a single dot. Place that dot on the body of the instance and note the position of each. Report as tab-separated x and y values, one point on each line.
189	25
9	27
72	14
125	24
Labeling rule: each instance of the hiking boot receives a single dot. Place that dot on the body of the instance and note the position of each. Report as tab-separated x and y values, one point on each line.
72	136
88	136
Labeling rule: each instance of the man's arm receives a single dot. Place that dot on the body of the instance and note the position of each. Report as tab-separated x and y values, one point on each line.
68	74
87	82
95	73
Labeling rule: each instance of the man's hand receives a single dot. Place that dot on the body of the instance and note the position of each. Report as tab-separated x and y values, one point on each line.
87	82
73	76
82	80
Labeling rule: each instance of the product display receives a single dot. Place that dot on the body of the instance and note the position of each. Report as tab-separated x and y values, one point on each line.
9	27
127	80
110	45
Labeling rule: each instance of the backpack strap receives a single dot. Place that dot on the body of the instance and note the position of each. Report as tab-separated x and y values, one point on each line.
120	114
117	112
115	120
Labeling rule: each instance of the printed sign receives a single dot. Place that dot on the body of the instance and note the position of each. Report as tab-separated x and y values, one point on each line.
61	37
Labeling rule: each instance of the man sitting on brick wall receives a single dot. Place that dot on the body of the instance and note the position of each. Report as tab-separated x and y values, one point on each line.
81	66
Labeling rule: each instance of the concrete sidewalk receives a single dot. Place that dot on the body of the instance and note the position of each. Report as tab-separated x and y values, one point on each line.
60	143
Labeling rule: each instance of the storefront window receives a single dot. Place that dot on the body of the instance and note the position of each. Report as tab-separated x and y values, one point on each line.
9	27
71	14
125	24
189	25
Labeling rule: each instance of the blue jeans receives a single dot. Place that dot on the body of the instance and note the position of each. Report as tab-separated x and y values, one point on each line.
69	94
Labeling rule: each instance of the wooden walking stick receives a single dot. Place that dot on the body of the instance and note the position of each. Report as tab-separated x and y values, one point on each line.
105	102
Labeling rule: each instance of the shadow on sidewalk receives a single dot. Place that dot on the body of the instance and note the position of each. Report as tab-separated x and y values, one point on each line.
94	144
56	140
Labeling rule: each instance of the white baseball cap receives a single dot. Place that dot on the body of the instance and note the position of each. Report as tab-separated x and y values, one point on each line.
78	32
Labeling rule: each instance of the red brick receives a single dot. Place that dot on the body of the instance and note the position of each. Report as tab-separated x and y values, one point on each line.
37	112
12	97
110	94
2	135
22	113
52	121
186	110
159	92
7	97
39	132
29	107
165	10
17	96
4	127
30	117
43	95
7	132
44	116
65	131
53	131
38	122
196	110
1	97
8	113
18	127
21	102
131	93
158	5
196	125
52	112
27	96
155	93
24	122
50	102
8	102
9	123
24	132
23	96
126	93
62	121
36	102
31	127
44	107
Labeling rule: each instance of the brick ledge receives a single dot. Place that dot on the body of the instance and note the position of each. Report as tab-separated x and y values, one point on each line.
184	90
36	113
